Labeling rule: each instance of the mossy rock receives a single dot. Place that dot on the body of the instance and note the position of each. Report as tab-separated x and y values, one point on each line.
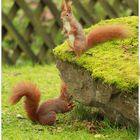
106	75
115	62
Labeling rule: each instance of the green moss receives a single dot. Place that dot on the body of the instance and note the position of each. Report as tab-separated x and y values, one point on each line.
110	61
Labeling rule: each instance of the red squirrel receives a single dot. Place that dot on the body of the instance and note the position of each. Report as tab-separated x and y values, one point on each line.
78	41
46	112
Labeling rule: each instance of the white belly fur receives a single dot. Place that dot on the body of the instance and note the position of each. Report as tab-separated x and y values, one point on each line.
71	40
71	36
67	26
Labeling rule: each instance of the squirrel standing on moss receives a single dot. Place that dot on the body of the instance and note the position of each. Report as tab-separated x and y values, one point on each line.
78	41
45	113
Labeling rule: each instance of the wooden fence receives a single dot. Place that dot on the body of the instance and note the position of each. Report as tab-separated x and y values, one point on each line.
88	11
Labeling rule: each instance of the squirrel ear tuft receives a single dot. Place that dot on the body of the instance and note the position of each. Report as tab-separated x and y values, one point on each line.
69	4
64	6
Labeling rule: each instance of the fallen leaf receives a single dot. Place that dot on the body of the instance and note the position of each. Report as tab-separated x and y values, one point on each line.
20	116
99	136
59	129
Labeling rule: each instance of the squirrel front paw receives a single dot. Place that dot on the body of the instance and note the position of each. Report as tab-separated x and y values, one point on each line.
70	106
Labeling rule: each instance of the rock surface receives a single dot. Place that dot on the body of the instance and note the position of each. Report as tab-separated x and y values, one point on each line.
119	106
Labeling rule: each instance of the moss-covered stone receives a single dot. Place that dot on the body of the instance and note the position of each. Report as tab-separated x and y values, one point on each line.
115	62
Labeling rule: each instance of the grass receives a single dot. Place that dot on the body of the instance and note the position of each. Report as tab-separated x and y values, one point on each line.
69	126
115	62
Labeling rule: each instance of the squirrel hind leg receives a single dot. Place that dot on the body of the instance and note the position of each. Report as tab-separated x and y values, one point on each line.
48	119
79	47
78	51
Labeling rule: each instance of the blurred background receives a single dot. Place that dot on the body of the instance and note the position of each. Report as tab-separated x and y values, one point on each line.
32	28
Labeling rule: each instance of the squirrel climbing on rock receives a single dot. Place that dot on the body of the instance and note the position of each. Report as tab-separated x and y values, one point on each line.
78	41
46	112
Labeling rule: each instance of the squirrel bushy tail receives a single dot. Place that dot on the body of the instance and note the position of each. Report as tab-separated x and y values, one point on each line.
46	112
32	94
105	33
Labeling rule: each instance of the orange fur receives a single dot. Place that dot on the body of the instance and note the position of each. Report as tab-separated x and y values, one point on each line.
32	94
105	33
46	112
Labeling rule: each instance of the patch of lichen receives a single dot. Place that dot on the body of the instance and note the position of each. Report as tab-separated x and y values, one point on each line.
115	62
